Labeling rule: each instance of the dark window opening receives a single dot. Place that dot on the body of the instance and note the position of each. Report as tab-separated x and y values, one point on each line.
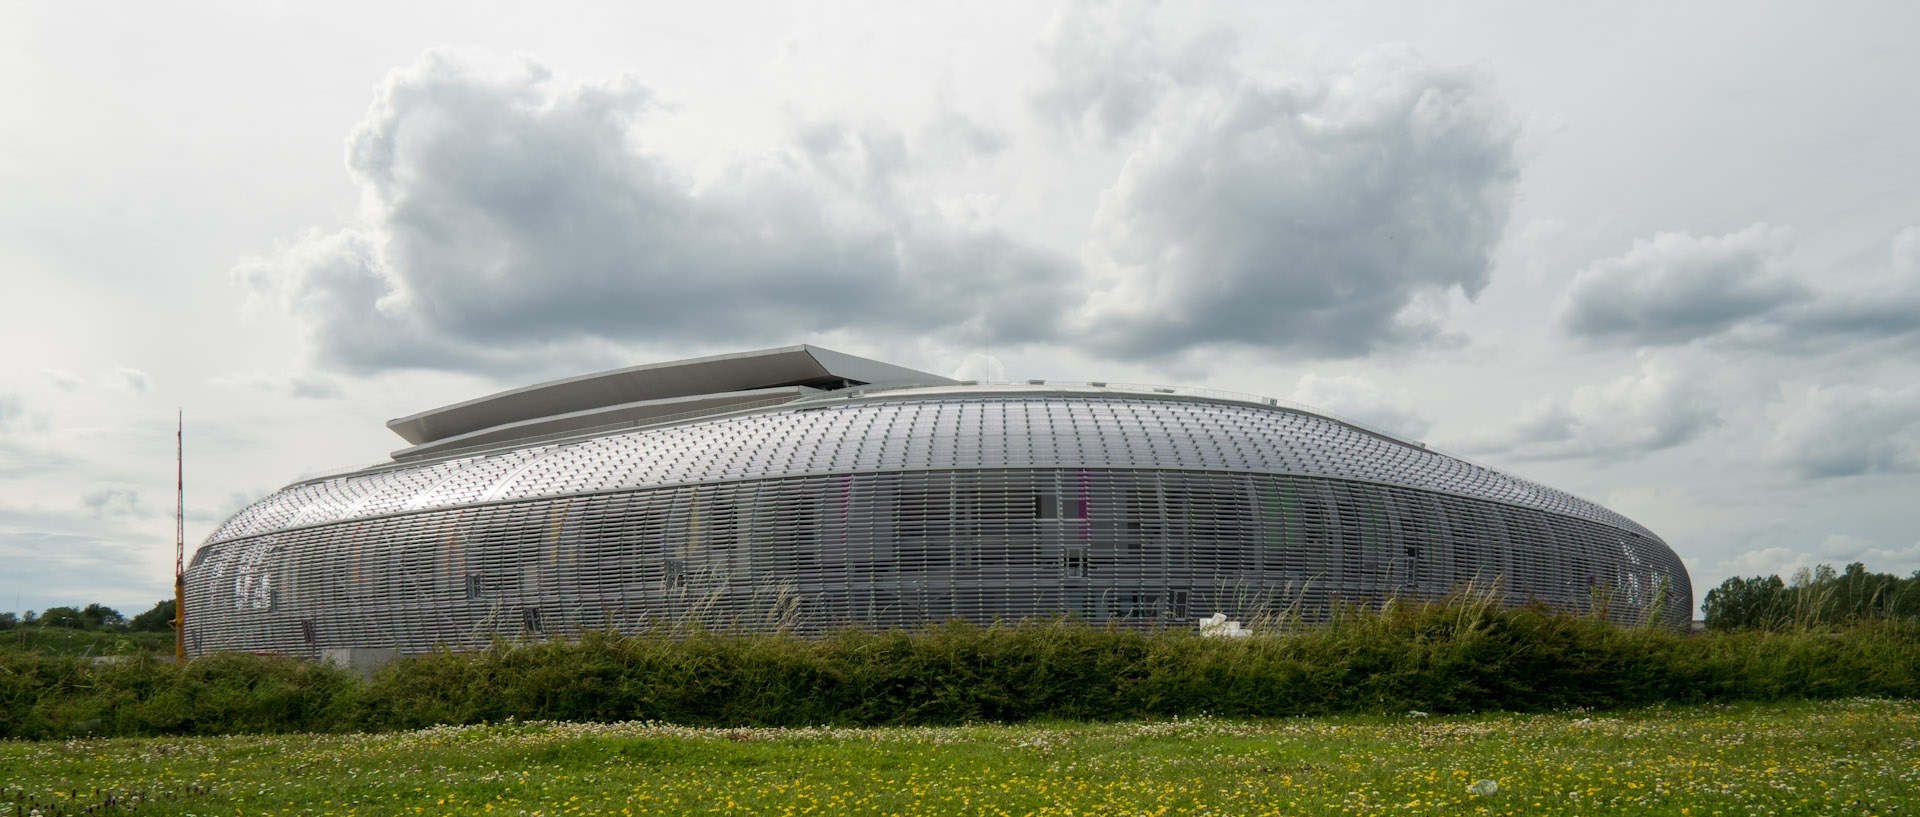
1045	506
1074	564
532	621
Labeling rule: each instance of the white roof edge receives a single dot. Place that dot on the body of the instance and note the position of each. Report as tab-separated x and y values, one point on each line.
713	374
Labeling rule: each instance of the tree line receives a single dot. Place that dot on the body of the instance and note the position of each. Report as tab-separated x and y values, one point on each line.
1817	597
93	617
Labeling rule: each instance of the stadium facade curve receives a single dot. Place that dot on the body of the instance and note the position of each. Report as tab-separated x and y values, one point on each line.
804	488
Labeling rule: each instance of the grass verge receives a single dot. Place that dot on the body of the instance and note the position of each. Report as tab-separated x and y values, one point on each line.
1850	756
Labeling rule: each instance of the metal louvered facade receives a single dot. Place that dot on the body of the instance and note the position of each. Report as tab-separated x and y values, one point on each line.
897	507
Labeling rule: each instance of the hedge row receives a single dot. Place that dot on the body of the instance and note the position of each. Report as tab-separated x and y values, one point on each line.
1460	655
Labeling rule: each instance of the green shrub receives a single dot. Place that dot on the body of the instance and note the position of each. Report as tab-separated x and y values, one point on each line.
1457	655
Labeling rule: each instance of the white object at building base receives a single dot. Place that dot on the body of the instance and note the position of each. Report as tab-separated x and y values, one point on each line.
359	660
1217	626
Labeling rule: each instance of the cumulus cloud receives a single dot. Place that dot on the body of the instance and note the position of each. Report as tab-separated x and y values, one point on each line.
1109	65
1677	287
1842	431
510	213
1664	404
1773	561
1358	398
1328	216
512	217
1844	549
982	367
1837	550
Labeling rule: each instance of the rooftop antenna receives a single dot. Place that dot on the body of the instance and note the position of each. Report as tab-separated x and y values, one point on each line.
986	366
179	539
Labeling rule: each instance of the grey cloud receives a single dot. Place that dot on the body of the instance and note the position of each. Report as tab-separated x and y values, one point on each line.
1326	217
21	453
1879	307
513	215
1846	431
862	159
72	568
133	380
313	388
1357	398
64	380
960	137
1677	287
11	411
114	502
1742	289
1663	405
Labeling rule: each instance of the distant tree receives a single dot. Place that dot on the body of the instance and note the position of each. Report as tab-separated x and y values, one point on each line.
29	617
1746	604
68	617
1815	597
8	620
154	620
99	616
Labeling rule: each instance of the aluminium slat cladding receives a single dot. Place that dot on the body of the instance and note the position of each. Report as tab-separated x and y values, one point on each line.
898	509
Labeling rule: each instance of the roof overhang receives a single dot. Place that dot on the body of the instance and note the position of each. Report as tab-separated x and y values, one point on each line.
623	395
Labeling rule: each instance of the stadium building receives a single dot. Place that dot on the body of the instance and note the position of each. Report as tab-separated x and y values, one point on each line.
804	488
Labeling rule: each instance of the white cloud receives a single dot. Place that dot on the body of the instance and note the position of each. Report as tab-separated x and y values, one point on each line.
1111	63
1836	550
982	367
1323	217
1899	561
1773	561
1358	398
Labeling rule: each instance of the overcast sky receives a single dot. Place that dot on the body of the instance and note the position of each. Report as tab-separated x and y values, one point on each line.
1664	257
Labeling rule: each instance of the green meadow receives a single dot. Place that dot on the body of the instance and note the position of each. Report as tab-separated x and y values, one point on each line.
1851	756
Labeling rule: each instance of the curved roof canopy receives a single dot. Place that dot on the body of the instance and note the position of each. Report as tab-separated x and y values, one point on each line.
648	392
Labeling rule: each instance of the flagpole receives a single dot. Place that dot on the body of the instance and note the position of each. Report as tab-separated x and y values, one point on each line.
180	539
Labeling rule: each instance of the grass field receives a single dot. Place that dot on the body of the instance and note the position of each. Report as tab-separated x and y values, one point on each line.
1838	757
